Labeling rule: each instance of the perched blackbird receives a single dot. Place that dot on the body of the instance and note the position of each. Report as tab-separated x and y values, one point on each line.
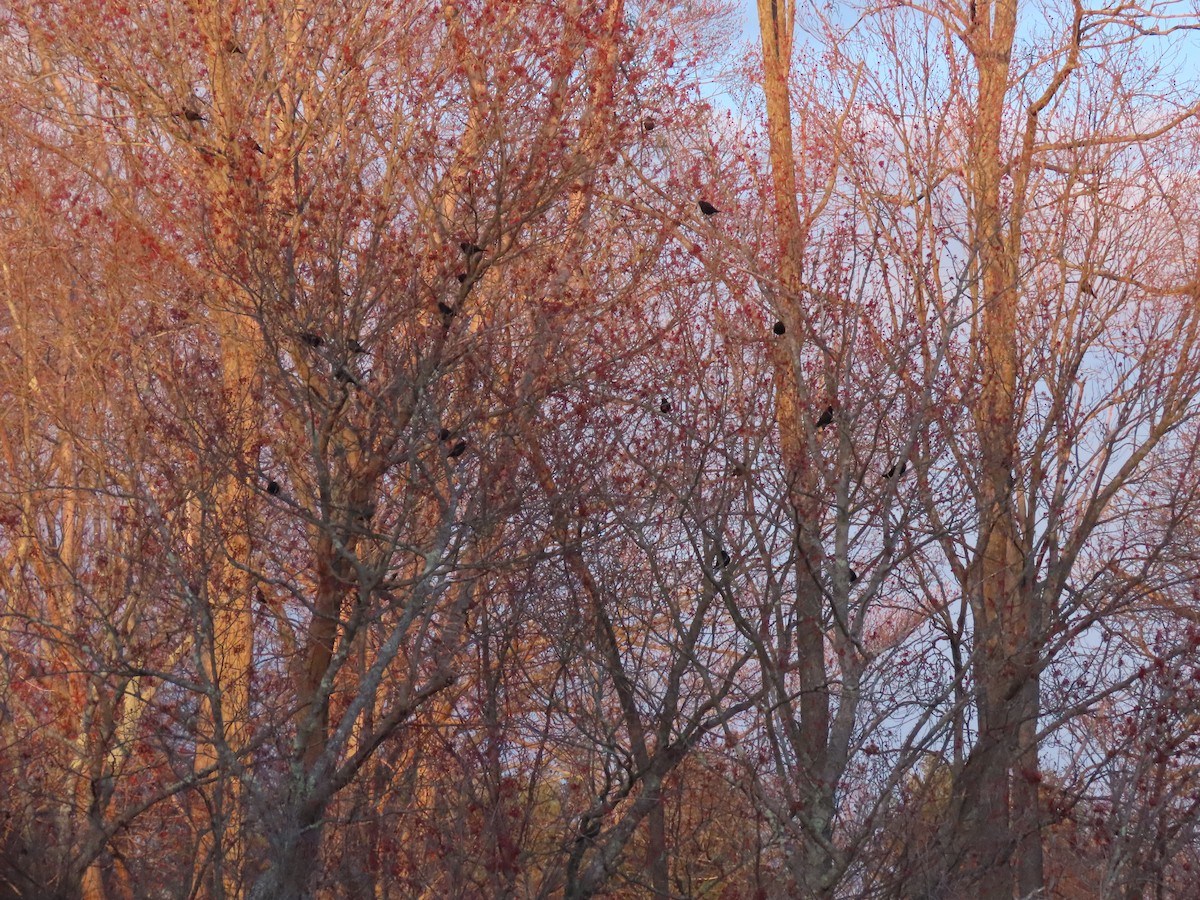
892	471
445	309
458	449
665	406
470	249
725	558
853	576
461	276
707	208
648	124
313	340
272	488
780	328
444	434
826	417
354	346
192	116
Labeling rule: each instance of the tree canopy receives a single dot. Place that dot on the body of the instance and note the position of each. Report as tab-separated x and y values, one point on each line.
511	449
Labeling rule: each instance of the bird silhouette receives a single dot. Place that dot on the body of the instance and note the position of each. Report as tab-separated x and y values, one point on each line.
458	449
192	115
355	347
890	473
665	405
313	340
725	558
853	576
461	276
707	208
780	328
345	376
826	418
444	434
470	249
272	488
445	309
648	124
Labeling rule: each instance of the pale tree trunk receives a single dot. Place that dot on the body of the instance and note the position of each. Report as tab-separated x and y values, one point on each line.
228	660
810	737
227	663
996	810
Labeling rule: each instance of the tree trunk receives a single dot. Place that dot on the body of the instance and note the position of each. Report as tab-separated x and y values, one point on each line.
811	739
656	850
998	821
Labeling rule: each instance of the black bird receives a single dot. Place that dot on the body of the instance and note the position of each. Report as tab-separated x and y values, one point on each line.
853	576
461	276
725	558
892	471
344	375
665	406
707	208
272	488
470	249
826	417
192	115
780	328
648	124
354	346
445	309
313	340
444	434
458	450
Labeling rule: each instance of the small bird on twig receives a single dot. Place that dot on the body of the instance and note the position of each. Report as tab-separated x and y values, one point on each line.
891	473
707	208
826	418
664	406
458	450
780	328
